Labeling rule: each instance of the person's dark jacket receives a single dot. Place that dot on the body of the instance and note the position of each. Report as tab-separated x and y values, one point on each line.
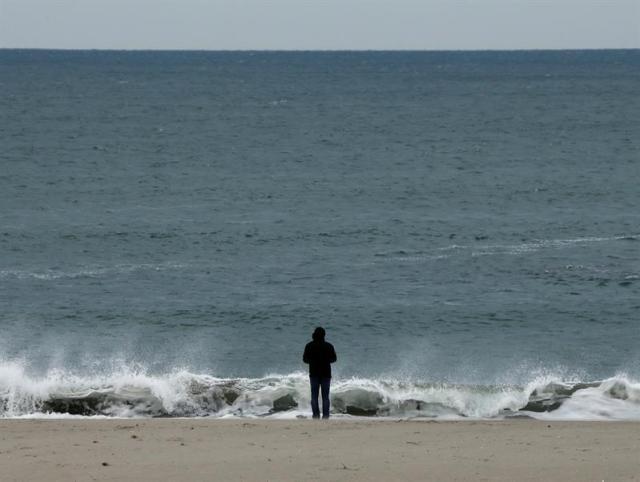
319	354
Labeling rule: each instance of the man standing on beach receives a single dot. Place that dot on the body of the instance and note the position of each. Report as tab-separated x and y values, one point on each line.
319	354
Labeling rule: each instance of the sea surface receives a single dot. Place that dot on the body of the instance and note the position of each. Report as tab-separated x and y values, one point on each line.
465	225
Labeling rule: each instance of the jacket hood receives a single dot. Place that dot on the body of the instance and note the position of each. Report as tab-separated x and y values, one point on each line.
318	334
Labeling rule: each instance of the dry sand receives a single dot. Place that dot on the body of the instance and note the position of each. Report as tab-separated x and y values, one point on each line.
220	450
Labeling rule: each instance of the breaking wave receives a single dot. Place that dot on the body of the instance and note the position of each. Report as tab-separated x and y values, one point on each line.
185	394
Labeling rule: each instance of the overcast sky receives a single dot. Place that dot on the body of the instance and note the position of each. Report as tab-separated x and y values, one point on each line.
320	24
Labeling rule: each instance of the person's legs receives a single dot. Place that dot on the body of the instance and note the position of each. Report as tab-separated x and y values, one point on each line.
326	384
315	391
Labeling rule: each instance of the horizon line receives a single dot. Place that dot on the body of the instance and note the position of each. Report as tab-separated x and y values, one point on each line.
100	49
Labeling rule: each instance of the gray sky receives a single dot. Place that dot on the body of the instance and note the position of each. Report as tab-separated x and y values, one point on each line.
320	24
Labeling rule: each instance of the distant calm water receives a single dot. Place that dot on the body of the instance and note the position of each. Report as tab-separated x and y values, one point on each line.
466	225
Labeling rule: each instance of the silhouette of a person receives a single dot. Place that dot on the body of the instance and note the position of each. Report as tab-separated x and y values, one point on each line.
319	354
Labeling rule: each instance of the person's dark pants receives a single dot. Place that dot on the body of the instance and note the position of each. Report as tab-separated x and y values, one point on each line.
318	383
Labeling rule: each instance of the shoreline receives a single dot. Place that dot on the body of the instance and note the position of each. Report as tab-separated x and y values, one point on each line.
344	449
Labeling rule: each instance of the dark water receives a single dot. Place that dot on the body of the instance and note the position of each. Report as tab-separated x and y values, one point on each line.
449	217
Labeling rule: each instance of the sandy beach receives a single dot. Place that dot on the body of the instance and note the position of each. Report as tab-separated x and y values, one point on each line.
278	450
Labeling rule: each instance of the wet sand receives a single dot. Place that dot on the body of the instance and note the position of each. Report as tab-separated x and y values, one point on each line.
280	450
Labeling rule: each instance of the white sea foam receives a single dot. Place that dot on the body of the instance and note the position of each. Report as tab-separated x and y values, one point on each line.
134	393
445	252
617	398
537	245
87	272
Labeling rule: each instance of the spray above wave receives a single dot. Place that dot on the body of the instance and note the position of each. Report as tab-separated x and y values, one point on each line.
184	394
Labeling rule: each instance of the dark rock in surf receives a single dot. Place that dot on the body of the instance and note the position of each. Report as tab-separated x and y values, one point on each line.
90	405
230	394
361	412
548	405
284	403
208	401
357	401
104	403
552	396
618	390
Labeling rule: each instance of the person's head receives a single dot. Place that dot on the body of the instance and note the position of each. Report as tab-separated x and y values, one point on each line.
318	334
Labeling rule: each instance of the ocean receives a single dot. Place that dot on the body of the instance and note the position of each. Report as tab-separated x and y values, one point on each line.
465	225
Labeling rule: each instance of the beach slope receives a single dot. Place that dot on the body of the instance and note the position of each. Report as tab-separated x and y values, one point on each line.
280	450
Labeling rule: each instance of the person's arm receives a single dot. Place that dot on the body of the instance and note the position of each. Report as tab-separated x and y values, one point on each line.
305	355
333	357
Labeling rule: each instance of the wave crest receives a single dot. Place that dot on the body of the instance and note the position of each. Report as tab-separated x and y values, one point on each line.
185	394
